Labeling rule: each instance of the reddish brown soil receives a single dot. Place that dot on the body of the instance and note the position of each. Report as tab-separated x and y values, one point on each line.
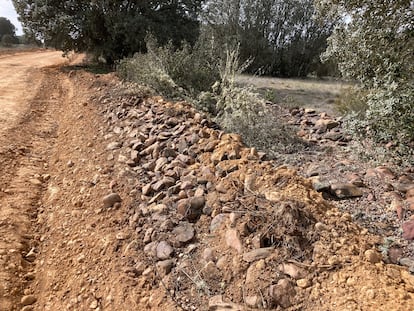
63	248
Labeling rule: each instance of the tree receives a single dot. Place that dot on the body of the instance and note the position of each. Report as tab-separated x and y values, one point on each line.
6	27
7	40
281	36
7	32
374	44
112	29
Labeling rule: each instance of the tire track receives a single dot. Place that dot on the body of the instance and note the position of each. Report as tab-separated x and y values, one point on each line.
25	141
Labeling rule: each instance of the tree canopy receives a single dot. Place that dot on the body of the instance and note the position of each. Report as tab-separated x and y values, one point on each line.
281	36
6	27
112	29
7	32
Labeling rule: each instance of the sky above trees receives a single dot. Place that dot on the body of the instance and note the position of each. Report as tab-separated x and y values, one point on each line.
7	10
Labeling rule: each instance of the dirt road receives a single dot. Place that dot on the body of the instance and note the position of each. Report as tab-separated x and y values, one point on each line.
56	249
20	79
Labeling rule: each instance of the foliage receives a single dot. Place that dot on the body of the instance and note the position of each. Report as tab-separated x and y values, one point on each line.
110	29
281	37
186	71
374	45
7	32
6	27
351	101
27	39
206	77
7	40
243	110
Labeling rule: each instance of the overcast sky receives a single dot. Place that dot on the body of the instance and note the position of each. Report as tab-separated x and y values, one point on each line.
7	10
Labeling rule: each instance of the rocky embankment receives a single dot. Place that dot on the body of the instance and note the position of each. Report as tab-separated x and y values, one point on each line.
382	197
219	227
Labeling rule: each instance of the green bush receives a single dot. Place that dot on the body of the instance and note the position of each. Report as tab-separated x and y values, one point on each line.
184	72
375	47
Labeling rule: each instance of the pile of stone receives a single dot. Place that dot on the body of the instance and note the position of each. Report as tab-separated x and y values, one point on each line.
343	178
213	219
318	127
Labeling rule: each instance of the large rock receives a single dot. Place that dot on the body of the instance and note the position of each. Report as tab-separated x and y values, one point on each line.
345	190
111	199
183	233
164	250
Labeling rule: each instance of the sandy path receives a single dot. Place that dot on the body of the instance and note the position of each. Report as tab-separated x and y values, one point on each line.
19	81
21	164
53	175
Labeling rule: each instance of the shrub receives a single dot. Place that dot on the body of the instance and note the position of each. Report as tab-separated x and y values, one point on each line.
243	110
183	72
351	101
375	47
7	40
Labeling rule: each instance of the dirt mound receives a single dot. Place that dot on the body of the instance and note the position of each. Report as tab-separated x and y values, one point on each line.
220	228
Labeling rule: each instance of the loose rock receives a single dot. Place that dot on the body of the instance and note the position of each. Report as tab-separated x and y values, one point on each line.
184	233
28	300
208	255
164	267
252	301
216	303
303	283
113	146
111	199
292	270
233	240
408	230
256	254
164	250
163	183
282	293
343	190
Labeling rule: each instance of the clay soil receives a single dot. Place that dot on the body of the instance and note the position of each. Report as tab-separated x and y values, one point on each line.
194	219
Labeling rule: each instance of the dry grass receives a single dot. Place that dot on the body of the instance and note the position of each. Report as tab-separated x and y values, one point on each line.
309	93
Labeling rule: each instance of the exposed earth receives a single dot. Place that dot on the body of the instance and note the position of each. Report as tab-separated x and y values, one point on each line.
113	200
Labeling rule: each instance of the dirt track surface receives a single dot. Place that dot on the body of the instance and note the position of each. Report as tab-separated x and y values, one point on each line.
204	223
20	79
20	124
